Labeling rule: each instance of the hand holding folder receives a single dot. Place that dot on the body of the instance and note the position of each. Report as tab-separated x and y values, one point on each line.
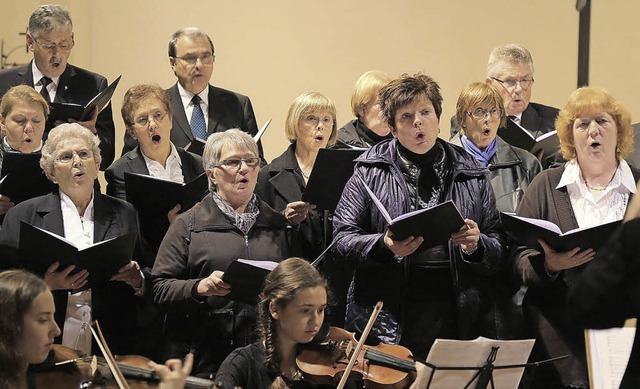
79	112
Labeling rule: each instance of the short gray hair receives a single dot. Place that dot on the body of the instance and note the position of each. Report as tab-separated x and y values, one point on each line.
191	32
231	138
47	18
511	53
63	132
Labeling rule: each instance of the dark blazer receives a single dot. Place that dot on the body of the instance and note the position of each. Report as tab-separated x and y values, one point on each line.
133	162
227	110
76	86
608	291
114	304
153	227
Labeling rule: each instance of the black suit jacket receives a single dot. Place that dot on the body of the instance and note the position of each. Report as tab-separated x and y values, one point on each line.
227	110
114	304
76	86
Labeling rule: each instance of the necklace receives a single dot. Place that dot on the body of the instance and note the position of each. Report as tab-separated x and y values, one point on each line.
596	188
304	175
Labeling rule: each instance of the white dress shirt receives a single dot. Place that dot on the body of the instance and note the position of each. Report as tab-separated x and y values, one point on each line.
172	170
37	76
612	203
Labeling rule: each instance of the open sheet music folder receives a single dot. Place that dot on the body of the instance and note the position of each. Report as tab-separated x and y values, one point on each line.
527	231
152	195
40	248
522	138
79	112
246	278
434	224
472	354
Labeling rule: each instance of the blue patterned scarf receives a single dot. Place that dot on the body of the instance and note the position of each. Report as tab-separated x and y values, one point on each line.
482	156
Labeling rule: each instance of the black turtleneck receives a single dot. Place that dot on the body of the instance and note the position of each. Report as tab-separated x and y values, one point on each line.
370	137
428	179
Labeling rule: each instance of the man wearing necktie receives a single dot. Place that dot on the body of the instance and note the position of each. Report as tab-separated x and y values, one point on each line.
199	108
50	39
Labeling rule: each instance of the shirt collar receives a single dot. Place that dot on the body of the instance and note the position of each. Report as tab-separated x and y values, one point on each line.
68	203
186	96
172	155
573	175
37	75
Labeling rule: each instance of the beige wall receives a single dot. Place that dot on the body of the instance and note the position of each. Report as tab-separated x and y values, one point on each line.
274	50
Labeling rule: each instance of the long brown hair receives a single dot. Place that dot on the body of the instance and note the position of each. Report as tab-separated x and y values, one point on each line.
18	290
281	287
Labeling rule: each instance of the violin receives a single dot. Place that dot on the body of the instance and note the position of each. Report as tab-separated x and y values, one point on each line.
66	368
388	366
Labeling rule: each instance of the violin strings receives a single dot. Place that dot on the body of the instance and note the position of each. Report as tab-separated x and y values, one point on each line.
381	357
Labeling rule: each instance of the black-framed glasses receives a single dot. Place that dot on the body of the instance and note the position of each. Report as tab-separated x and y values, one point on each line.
143	121
67	156
481	113
510	83
51	47
205	59
235	163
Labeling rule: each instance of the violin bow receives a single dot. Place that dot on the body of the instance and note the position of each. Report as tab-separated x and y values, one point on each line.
113	366
356	352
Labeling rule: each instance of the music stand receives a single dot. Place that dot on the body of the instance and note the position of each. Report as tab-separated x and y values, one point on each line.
484	375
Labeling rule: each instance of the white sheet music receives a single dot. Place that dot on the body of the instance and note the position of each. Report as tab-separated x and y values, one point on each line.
609	354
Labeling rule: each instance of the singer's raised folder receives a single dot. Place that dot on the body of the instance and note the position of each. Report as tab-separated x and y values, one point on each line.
520	137
40	248
246	278
151	195
23	178
79	112
527	231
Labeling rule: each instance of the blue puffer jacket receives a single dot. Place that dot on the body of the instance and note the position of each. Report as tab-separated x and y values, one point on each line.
359	229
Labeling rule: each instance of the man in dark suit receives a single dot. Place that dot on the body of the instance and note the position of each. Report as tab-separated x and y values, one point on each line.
50	38
191	55
510	70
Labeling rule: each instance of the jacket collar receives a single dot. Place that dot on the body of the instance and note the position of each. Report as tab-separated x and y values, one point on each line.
505	156
283	177
207	215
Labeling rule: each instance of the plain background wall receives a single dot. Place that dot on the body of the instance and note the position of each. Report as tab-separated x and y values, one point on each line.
274	50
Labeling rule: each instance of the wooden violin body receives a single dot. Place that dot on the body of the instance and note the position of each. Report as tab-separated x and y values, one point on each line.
67	369
382	366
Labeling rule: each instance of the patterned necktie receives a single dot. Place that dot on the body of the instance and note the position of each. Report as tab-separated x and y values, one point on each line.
44	92
198	126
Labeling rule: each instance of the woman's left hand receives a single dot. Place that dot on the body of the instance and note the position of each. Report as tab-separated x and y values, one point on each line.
173	373
129	274
468	236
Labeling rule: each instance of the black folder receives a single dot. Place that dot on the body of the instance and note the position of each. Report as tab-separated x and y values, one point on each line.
22	177
151	195
196	146
79	112
40	248
434	224
527	231
520	137
330	173
246	278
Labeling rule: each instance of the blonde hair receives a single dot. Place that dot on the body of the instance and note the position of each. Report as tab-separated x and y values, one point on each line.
366	89
478	93
305	104
589	99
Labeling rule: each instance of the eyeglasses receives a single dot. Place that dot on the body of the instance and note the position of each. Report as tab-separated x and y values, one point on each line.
235	163
481	113
51	47
510	84
206	59
326	121
143	121
67	156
